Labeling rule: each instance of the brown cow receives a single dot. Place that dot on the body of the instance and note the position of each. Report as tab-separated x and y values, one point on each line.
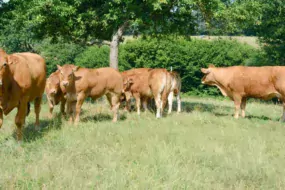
54	93
22	79
160	84
136	85
240	83
174	91
79	83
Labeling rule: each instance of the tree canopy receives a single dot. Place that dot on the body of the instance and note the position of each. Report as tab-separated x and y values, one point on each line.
86	22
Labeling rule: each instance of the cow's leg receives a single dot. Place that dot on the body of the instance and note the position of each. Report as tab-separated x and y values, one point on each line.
237	101
37	105
109	98
242	106
51	106
1	118
138	102
20	120
79	103
144	103
170	101
158	104
50	111
178	103
283	116
71	106
115	101
62	106
128	101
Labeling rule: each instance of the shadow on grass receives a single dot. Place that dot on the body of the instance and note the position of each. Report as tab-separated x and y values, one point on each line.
250	117
201	107
262	117
30	134
101	117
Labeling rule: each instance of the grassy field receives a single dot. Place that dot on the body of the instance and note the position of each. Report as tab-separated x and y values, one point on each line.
202	148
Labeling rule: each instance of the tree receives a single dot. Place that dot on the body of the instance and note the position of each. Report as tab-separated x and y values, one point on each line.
270	29
104	21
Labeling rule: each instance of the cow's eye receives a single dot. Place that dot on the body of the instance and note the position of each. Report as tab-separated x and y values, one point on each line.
61	73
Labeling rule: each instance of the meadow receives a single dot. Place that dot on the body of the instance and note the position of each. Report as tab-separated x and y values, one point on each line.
204	147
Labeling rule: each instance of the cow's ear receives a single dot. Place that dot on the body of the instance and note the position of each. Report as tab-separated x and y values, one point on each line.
58	67
75	68
205	71
211	66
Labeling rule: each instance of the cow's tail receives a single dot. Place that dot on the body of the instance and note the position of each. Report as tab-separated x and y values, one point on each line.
28	108
166	89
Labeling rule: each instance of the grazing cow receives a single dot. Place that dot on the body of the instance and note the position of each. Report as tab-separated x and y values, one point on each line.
54	93
79	83
22	80
240	83
174	91
160	84
136	85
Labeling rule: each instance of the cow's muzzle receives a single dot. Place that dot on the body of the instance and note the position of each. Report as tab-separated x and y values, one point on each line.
65	83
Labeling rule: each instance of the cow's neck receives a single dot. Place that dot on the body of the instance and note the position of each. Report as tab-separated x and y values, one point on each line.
220	81
6	90
71	88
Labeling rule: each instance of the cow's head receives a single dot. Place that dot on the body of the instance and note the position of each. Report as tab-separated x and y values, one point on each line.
127	83
3	65
67	76
53	84
209	77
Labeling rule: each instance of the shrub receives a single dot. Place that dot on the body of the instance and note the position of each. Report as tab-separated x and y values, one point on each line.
58	53
186	57
94	57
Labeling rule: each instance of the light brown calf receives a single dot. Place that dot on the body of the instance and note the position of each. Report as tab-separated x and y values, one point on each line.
240	83
136	85
22	79
54	93
79	83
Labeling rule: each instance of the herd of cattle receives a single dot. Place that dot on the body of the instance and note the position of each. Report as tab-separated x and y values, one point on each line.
23	79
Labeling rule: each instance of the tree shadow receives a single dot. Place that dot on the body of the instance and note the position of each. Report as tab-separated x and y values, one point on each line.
250	117
201	107
262	117
101	117
30	134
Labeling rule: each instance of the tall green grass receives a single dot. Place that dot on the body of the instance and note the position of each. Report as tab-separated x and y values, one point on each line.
202	148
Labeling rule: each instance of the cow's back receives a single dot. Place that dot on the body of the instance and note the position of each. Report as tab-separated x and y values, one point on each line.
32	67
97	82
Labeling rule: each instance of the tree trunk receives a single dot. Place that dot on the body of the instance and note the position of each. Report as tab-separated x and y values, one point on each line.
114	46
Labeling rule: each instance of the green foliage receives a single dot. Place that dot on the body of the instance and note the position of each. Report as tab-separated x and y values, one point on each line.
58	53
271	30
94	57
186	57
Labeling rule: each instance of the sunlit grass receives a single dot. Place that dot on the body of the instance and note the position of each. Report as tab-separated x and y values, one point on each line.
202	148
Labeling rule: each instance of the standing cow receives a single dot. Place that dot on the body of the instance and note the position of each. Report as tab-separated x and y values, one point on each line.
160	84
80	83
54	93
174	91
240	83
22	80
